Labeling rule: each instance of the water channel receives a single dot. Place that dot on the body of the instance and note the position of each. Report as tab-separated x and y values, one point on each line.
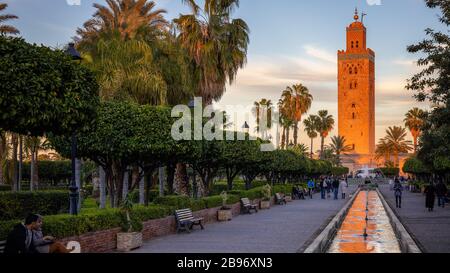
366	228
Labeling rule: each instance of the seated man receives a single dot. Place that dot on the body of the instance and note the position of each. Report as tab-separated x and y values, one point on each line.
28	238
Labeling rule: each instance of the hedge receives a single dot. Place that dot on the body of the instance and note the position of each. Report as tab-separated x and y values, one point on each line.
17	205
252	194
64	225
339	171
5	187
53	171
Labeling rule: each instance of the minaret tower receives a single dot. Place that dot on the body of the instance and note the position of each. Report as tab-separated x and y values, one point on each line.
356	90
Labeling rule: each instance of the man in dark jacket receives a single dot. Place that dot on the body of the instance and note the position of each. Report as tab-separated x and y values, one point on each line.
20	239
441	192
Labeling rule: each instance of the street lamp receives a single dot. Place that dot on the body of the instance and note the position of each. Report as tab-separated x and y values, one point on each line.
74	193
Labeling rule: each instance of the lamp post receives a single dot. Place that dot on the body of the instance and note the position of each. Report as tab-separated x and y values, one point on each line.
74	193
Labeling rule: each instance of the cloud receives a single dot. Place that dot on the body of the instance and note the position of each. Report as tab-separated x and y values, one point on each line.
320	54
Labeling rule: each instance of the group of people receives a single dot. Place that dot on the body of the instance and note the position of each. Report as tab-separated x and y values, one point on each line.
431	192
27	237
333	184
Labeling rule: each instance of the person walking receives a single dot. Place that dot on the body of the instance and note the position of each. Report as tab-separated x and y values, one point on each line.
398	191
329	185
343	188
441	192
323	188
336	188
430	192
311	186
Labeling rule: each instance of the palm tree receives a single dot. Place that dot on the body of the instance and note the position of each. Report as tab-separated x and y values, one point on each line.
395	139
286	110
300	149
324	126
127	18
216	43
263	109
7	29
302	101
126	72
414	121
383	150
311	124
339	147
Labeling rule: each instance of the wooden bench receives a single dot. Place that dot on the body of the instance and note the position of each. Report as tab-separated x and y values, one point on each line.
247	206
186	221
279	199
2	246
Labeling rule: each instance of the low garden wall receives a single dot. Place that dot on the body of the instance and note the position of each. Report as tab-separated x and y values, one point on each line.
105	241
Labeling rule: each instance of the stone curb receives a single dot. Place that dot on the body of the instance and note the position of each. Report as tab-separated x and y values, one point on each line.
407	244
321	242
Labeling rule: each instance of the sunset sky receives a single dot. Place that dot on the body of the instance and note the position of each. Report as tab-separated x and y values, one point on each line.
292	41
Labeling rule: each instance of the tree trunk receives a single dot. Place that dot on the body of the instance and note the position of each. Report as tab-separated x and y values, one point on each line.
142	189
181	180
78	181
295	133
102	176
312	149
322	144
19	179
2	156
283	138
161	172
288	132
13	164
415	144
170	177
32	167
126	178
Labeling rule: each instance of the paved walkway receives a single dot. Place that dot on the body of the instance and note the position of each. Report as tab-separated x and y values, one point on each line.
282	229
430	229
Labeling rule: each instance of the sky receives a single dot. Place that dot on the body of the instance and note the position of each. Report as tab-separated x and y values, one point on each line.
291	41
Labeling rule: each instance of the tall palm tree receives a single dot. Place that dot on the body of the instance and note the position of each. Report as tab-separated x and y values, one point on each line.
123	17
311	124
263	109
324	126
216	43
395	137
339	146
414	121
383	150
302	101
287	113
7	29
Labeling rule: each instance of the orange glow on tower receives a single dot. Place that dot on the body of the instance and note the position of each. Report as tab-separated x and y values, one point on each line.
356	91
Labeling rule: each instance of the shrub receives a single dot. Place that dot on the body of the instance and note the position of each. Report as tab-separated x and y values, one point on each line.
17	205
339	171
212	201
5	188
177	202
51	171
